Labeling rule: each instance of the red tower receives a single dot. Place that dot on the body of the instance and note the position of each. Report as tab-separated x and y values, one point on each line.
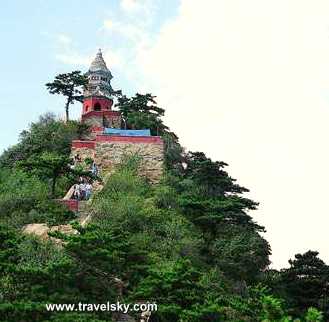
98	101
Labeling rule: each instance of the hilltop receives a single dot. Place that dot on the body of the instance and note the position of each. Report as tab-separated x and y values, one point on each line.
164	226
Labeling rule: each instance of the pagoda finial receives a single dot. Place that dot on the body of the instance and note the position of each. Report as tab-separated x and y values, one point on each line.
98	63
99	78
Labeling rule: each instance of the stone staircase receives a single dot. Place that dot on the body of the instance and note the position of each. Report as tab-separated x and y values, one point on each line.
84	213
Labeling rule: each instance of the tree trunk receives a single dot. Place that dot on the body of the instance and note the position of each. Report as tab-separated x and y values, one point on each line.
67	110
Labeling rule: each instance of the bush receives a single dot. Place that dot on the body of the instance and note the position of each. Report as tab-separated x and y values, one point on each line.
313	315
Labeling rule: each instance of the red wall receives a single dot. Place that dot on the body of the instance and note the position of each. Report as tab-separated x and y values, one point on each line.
129	139
116	138
83	144
99	129
72	204
89	103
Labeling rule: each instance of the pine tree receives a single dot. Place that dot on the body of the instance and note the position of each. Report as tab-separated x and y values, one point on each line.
69	85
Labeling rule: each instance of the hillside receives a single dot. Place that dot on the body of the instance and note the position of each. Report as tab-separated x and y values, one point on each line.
187	242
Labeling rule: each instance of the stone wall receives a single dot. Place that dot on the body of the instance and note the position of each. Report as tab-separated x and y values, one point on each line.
95	120
102	119
83	151
109	151
110	154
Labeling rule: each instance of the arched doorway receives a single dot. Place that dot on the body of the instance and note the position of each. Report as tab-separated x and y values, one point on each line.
97	107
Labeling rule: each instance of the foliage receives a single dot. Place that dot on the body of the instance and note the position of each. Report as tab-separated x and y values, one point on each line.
304	284
174	286
313	315
46	135
112	254
141	112
213	202
141	246
69	85
188	243
48	165
34	273
241	253
24	200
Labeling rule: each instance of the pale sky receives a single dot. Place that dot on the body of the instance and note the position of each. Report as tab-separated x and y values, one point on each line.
247	82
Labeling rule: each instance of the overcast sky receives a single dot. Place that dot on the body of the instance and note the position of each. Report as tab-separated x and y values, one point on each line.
247	82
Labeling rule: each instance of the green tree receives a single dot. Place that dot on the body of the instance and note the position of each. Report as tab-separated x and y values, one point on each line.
174	286
272	309
69	85
305	284
33	273
313	315
106	254
48	134
211	177
215	204
242	253
49	165
173	153
24	199
141	112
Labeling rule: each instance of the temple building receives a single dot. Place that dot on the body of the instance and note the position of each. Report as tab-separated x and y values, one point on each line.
108	143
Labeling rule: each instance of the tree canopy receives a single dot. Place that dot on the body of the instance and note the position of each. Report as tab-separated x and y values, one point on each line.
70	85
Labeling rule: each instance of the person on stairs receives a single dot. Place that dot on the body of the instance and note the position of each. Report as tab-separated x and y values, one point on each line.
82	188
94	169
76	192
88	190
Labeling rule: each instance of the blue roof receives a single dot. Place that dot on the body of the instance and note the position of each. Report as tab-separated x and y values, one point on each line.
110	131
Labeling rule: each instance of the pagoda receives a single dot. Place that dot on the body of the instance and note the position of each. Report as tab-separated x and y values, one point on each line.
98	97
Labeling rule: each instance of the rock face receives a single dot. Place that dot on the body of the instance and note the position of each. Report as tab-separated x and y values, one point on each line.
41	231
109	151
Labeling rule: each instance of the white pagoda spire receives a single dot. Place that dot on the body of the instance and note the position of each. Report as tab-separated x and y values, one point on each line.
99	78
98	63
